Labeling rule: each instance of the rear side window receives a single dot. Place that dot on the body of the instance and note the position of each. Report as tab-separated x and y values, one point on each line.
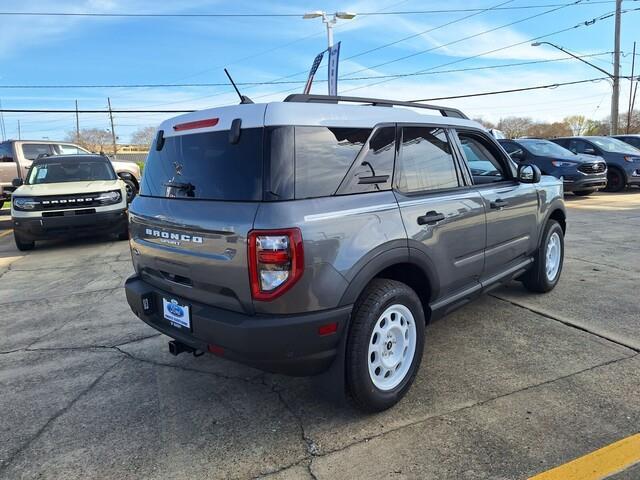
426	162
323	156
373	169
206	166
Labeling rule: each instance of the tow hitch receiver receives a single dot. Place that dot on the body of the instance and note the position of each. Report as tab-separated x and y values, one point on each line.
176	348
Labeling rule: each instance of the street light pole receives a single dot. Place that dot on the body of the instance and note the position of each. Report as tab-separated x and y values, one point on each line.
615	77
329	20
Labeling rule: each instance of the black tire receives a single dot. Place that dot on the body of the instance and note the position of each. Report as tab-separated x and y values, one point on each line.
22	244
1	204
132	189
536	279
583	193
379	295
615	180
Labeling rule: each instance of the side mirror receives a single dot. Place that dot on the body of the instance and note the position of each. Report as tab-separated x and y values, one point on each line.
517	155
17	182
590	151
528	173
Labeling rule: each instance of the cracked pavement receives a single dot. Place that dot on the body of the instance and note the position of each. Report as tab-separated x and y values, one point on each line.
510	385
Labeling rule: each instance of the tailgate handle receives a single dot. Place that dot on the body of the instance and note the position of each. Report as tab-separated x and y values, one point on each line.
172	277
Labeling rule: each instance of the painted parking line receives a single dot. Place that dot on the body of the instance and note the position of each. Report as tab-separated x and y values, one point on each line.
599	464
5	233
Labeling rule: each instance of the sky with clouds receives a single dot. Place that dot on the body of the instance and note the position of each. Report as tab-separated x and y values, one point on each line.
53	50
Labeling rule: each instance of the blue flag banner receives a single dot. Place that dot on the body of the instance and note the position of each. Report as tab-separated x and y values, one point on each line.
334	55
314	68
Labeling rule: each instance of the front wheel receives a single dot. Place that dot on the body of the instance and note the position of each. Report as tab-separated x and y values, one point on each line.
385	344
546	269
615	180
132	190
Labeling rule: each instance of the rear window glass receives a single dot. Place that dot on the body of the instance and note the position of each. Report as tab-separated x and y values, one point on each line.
206	166
323	157
32	151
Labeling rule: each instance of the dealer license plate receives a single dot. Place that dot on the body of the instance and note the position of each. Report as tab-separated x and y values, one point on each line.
178	315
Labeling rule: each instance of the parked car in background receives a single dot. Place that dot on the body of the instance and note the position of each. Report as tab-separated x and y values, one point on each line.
68	195
581	174
311	236
16	157
632	139
623	160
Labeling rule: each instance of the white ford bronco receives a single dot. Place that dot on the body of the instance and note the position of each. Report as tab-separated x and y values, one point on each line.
68	195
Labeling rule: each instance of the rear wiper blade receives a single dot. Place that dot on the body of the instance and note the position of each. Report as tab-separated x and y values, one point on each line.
180	185
188	188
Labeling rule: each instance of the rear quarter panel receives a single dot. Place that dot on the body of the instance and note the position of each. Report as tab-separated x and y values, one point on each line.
341	235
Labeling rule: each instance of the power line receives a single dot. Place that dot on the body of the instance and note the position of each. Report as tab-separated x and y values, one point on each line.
481	94
581	24
272	15
370	77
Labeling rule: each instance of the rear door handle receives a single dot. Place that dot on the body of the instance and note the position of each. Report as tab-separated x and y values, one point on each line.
499	204
430	218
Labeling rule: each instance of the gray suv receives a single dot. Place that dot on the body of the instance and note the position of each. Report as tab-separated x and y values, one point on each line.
320	235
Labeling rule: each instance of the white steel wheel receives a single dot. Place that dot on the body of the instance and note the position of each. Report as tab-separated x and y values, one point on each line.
392	346
553	256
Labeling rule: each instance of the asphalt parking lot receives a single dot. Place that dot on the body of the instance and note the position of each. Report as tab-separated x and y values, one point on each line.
510	386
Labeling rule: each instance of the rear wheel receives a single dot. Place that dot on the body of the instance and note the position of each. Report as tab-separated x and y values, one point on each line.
546	269
385	344
615	180
583	193
23	244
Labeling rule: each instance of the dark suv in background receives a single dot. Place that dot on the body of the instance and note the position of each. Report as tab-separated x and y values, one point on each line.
581	174
623	160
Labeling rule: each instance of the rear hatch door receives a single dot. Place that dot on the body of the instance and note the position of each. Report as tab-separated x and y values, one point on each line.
198	199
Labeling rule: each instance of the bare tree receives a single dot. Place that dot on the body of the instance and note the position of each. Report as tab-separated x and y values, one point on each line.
143	136
93	139
514	127
486	123
579	124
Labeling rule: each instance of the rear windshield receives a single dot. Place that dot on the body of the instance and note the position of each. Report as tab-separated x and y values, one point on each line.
545	148
70	170
206	166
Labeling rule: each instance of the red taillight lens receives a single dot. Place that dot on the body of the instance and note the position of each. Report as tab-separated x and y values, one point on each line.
276	261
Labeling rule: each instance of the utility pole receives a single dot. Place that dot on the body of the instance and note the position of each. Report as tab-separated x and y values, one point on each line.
113	132
77	124
19	132
633	73
615	97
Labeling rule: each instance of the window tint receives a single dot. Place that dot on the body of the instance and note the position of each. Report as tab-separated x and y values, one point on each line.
426	161
485	166
635	141
6	154
373	169
32	151
323	156
206	166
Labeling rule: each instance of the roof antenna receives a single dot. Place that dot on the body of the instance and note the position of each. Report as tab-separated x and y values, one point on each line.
243	99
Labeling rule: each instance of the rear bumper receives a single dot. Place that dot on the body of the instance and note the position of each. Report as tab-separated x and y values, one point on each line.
590	182
40	228
288	344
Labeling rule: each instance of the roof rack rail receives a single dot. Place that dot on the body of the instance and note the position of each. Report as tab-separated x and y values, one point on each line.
376	102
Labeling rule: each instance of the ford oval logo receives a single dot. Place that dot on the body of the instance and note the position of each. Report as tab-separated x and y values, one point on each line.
175	310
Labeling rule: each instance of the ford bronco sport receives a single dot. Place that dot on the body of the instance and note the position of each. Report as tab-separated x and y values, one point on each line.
321	234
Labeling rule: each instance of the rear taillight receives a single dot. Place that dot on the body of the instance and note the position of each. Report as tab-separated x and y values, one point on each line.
276	261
